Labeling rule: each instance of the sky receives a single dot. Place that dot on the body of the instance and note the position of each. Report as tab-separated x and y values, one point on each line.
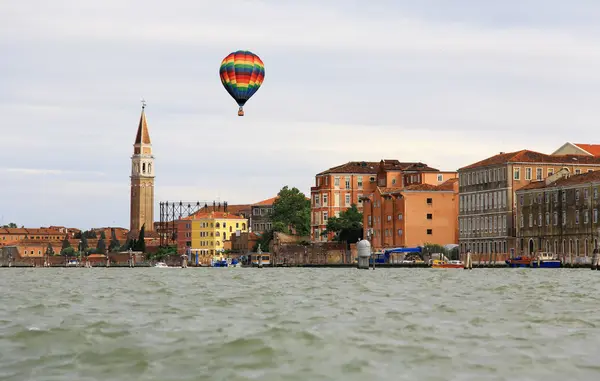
443	82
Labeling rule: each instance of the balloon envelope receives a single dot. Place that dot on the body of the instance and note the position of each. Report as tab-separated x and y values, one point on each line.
242	73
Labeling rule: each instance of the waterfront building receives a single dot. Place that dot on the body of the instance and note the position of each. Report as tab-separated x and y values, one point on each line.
206	233
578	149
142	180
413	215
487	219
559	215
337	188
261	216
10	235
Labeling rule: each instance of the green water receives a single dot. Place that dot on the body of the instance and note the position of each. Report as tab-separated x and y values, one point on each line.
299	324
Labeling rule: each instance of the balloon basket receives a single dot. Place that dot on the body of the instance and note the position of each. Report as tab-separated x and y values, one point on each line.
240	112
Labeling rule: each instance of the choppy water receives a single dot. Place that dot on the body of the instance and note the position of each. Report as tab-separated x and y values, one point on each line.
299	324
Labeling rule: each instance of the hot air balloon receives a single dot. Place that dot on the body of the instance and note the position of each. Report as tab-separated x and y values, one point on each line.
242	73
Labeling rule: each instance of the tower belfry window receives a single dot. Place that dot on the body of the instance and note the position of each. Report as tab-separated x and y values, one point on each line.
143	167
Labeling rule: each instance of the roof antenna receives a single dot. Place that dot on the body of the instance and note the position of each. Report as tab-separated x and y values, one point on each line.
143	103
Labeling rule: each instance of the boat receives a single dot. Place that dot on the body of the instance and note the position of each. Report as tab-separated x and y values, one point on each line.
521	261
441	264
546	260
161	264
220	261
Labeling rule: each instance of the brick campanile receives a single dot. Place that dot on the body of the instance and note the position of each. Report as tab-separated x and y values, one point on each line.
142	179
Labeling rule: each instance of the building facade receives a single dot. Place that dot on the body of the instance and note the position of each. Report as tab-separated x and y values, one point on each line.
142	180
206	233
261	216
487	219
559	215
337	188
413	215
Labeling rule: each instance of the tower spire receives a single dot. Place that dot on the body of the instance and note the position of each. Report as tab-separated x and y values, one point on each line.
143	136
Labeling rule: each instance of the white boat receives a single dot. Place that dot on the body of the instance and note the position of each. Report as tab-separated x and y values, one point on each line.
161	264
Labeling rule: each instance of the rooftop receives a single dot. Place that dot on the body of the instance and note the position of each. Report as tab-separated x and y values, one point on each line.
592	149
447	185
371	167
214	215
584	178
527	156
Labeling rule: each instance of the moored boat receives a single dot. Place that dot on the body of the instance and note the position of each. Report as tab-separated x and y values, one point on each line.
441	264
546	260
520	261
161	264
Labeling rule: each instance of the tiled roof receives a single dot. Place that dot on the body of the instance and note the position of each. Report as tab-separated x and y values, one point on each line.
29	231
371	167
447	185
219	215
526	156
266	202
584	178
593	149
235	209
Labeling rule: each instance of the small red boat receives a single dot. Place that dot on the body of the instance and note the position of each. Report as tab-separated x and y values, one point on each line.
519	262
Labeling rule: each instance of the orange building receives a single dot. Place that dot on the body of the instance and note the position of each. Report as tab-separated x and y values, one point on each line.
412	215
8	235
337	188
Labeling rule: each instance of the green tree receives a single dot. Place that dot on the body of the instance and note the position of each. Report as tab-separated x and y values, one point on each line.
347	227
101	245
49	250
68	252
84	242
65	245
114	242
11	225
140	244
292	209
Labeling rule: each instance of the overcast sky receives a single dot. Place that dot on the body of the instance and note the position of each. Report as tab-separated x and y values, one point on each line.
443	82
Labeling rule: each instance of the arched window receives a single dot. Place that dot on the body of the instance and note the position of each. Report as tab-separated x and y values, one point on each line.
149	167
224	236
244	226
143	167
217	225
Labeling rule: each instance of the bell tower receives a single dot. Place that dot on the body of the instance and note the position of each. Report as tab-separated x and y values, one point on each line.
142	179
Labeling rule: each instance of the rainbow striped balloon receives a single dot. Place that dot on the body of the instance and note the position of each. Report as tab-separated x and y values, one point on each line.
242	73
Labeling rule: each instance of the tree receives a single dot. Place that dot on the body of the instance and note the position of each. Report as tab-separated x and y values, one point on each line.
101	246
140	244
347	227
49	250
11	225
292	209
84	242
114	242
65	245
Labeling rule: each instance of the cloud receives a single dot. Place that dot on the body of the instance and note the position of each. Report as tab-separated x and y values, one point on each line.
446	83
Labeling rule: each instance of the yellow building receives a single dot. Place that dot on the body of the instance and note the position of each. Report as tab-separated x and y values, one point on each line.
210	230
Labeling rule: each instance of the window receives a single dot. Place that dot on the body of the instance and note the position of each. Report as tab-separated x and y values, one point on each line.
360	198
550	172
595	216
429	216
586	193
325	214
400	216
393	181
517	173
539	221
336	182
429	201
576	217
316	203
389	218
359	182
527	173
325	199
399	231
576	194
347	182
521	198
578	171
538	174
547	219
429	231
347	199
555	218
595	193
586	216
530	220
564	196
440	177
556	197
